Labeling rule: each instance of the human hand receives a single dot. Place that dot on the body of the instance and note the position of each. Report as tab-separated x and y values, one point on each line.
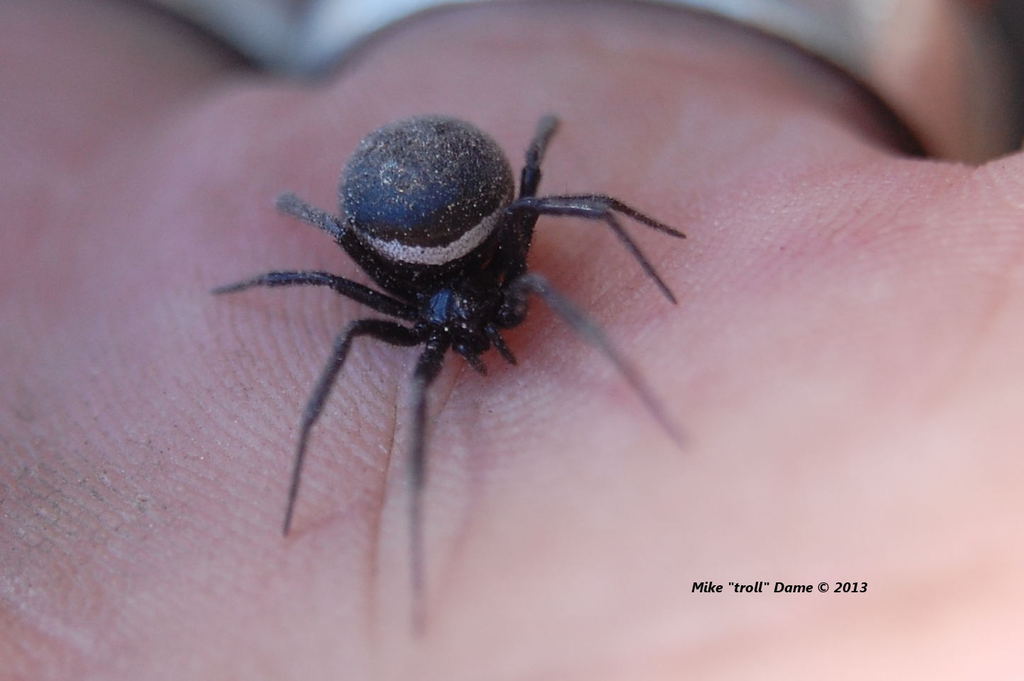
843	360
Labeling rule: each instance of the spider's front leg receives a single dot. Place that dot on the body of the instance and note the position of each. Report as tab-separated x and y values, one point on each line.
598	207
375	300
427	368
381	329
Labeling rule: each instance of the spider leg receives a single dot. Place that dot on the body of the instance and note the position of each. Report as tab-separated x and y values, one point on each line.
499	343
517	227
530	177
346	287
596	207
290	204
612	203
590	332
475	362
427	368
381	329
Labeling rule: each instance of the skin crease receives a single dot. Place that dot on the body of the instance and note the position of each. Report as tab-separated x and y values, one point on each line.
844	360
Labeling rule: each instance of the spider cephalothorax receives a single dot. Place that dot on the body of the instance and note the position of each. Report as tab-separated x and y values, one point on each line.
428	212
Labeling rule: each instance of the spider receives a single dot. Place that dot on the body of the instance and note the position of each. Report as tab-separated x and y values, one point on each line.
429	213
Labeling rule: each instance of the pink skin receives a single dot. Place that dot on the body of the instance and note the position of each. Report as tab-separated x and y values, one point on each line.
845	360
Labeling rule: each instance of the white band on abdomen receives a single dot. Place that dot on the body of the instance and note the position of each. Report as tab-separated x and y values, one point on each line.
435	255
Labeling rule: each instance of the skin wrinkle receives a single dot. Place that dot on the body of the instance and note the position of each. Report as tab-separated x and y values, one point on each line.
374	556
904	229
994	307
374	562
435	579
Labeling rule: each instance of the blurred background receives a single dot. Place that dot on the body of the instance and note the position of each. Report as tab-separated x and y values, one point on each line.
889	44
299	35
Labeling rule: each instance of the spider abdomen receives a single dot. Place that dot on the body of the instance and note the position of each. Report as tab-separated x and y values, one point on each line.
426	190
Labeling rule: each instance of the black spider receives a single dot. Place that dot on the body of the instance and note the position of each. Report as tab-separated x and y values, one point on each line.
428	212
